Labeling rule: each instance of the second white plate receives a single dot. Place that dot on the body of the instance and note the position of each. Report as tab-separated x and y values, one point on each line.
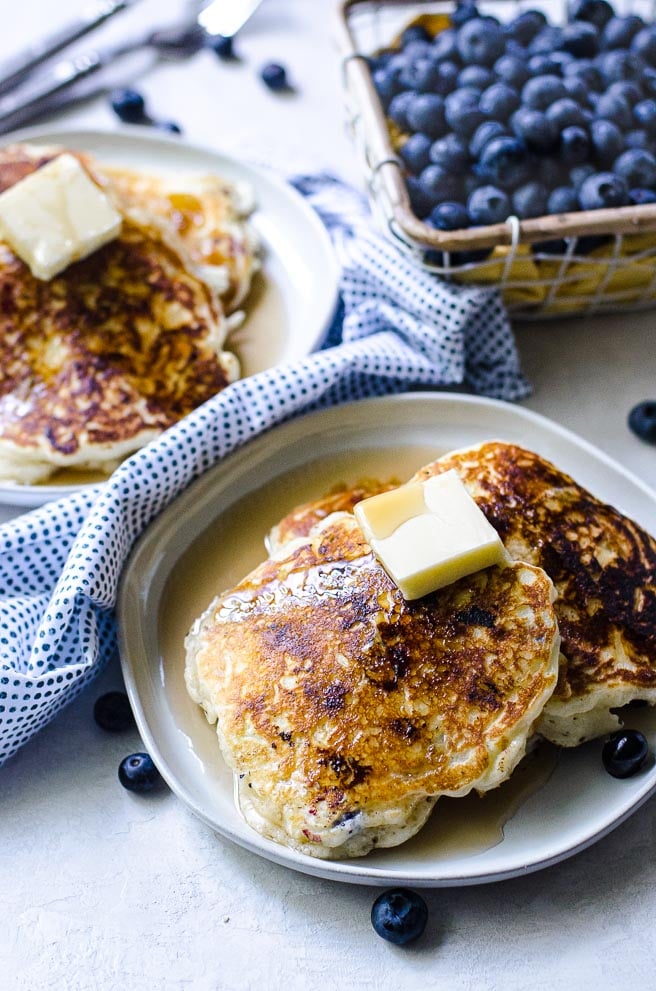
213	534
293	301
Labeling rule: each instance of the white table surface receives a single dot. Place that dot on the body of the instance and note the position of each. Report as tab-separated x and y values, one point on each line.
102	889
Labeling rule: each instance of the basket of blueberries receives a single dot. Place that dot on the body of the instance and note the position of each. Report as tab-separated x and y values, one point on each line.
511	145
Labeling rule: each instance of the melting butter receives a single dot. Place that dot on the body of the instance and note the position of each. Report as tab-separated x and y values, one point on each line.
55	216
429	534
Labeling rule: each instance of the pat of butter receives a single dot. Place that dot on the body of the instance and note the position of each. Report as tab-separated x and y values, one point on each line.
56	216
429	534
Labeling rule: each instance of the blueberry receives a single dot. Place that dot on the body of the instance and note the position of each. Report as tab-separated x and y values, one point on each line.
529	200
450	152
445	45
112	712
462	112
526	26
580	173
627	89
533	127
222	45
577	90
540	92
580	39
642	197
551	171
574	145
644	45
505	162
644	114
648	80
426	114
625	753
421	75
416	32
546	41
440	183
477	76
168	125
128	105
563	199
618	65
638	139
488	205
464	11
587	72
499	101
597	12
484	133
636	167
642	421
565	113
620	31
616	109
386	82
480	42
137	772
607	142
450	216
415	151
511	70
603	189
543	65
398	108
447	77
420	199
417	49
274	76
399	916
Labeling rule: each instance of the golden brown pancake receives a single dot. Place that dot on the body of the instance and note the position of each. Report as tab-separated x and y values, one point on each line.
603	566
345	711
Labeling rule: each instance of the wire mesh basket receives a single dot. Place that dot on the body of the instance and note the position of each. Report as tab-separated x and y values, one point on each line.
605	260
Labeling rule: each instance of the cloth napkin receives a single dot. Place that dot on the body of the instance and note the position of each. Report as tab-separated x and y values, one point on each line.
397	327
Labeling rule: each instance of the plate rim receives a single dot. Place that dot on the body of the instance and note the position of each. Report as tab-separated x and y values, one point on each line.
32	496
354	871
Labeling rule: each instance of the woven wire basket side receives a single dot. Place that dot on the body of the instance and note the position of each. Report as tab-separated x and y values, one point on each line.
584	263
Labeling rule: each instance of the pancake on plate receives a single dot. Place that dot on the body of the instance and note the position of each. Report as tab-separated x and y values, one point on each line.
97	361
603	566
346	711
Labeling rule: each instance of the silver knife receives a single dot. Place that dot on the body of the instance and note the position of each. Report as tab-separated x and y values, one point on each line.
13	70
223	17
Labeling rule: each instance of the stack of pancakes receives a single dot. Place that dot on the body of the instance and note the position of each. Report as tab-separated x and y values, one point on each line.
346	711
100	359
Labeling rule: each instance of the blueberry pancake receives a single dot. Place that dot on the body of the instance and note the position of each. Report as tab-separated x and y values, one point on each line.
346	711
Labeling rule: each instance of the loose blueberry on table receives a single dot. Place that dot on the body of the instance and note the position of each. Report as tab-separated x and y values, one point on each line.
275	77
129	106
399	916
642	420
113	713
138	773
547	119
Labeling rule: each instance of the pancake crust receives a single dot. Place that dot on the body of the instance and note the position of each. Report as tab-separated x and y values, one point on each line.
346	711
603	566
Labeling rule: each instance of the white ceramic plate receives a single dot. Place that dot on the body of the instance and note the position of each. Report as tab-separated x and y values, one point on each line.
550	809
291	305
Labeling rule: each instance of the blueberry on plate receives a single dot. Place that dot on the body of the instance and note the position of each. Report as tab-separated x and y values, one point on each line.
128	105
484	133
637	167
525	26
499	101
580	39
563	199
536	131
426	114
624	753
541	91
480	42
597	12
450	216
399	915
603	189
138	773
642	420
511	70
505	162
641	197
619	32
574	145
415	152
113	713
644	114
488	205
644	45
450	152
529	200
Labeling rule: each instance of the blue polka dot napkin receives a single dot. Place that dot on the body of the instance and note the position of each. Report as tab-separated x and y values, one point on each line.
398	327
